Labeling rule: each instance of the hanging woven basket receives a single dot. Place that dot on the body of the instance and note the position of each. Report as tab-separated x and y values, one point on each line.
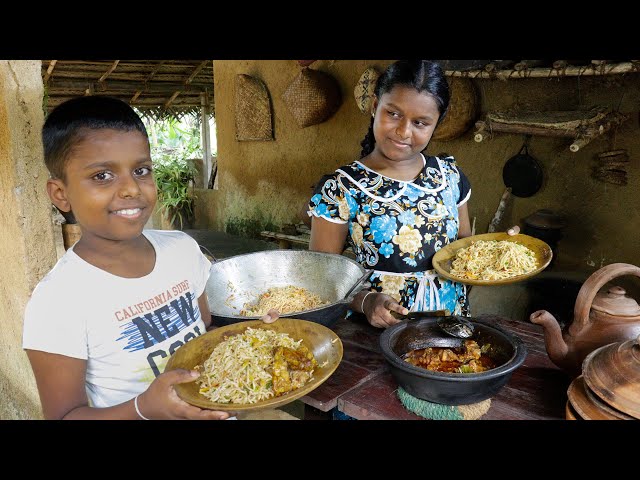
463	109
312	97
253	109
364	90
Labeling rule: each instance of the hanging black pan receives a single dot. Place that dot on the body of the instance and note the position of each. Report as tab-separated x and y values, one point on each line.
522	175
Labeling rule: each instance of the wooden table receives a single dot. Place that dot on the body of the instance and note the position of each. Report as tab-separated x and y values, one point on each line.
363	387
285	241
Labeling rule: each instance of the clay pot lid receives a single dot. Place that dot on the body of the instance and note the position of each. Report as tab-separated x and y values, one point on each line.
612	372
545	219
583	406
616	302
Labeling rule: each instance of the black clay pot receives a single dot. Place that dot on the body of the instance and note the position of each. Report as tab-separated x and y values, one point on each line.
451	388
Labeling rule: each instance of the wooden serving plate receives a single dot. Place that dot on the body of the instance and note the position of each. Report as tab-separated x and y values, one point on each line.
444	257
323	342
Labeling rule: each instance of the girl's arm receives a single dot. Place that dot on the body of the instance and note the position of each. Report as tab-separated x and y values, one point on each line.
327	236
205	311
464	230
61	385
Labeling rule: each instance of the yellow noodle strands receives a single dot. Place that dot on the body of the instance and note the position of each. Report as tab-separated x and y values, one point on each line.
284	299
239	368
493	260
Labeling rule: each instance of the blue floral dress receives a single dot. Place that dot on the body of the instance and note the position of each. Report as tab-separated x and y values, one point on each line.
395	227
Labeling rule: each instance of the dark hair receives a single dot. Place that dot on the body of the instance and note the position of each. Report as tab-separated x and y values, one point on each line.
423	75
68	123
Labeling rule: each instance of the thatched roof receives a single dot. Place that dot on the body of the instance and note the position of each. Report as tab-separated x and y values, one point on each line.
158	88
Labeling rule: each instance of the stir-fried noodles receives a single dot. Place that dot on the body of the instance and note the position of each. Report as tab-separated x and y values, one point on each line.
254	366
284	299
493	260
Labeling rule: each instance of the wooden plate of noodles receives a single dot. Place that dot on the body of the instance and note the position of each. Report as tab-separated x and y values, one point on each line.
443	258
320	340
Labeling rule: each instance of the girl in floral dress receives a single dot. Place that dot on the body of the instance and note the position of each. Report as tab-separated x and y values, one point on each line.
396	207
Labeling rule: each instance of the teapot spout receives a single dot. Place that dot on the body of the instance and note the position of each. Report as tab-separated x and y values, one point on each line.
557	348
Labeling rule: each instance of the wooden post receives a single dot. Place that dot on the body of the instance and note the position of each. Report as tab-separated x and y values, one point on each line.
206	140
497	218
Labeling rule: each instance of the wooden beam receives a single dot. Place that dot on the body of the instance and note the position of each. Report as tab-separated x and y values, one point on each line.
206	143
122	76
108	72
180	102
483	128
153	72
196	72
52	65
186	82
170	101
66	84
546	72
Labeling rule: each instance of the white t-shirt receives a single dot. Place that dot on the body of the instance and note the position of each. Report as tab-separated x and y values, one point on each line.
126	328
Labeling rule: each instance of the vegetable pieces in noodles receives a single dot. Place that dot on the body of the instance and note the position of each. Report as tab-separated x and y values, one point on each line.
255	365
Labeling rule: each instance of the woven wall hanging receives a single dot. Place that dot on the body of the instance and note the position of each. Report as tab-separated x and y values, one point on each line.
364	90
312	97
253	109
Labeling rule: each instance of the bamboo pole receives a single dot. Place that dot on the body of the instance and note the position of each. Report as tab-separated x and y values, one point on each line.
108	72
52	65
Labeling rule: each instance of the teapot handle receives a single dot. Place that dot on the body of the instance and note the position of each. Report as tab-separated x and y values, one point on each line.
591	287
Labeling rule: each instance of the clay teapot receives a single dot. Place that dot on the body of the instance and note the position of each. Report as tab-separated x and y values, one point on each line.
598	319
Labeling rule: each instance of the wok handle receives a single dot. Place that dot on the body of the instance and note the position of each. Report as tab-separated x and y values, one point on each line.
358	283
207	251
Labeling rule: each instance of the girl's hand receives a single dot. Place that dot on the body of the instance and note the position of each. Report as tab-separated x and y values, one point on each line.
513	230
376	307
271	316
160	400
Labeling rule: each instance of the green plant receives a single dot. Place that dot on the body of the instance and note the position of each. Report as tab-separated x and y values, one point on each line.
173	143
174	179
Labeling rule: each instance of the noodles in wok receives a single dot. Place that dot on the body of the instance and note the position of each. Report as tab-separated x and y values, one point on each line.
284	299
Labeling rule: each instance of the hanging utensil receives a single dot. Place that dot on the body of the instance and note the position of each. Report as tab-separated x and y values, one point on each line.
522	177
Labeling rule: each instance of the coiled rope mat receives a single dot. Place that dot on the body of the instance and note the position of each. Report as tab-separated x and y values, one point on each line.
437	411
